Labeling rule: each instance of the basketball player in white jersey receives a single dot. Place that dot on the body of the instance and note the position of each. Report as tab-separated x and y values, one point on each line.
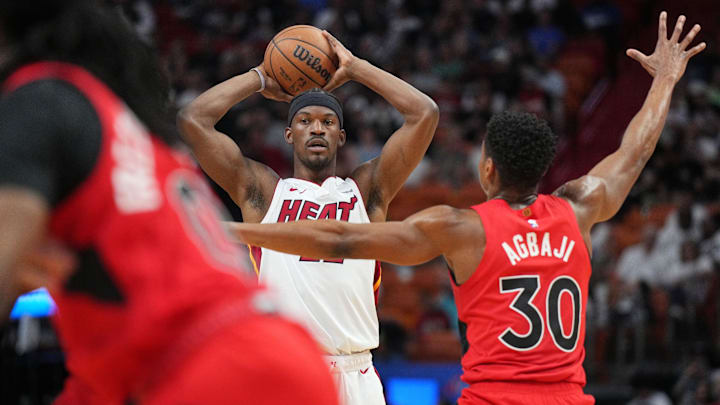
335	299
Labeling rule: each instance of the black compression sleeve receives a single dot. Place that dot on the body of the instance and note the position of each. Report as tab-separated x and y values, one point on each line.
50	137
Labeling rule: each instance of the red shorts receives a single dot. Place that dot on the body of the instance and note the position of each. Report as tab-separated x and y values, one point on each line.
491	393
264	360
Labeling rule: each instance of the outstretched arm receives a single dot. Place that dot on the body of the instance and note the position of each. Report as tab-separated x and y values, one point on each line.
597	196
249	183
415	240
381	178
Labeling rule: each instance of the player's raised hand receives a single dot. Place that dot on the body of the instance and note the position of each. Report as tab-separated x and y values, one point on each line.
273	91
671	56
345	62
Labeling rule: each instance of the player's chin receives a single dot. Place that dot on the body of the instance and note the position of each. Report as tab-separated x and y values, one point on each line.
317	161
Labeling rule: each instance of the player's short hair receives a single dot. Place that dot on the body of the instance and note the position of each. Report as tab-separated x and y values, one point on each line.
522	146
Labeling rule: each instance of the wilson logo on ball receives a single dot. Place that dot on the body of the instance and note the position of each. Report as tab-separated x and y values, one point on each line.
300	58
304	55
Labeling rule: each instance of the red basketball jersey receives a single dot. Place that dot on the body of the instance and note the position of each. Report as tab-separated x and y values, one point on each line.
522	312
157	273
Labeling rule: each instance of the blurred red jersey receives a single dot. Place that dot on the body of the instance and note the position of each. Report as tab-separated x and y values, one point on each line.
522	312
157	274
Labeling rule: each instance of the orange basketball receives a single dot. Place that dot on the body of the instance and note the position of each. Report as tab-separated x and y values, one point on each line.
300	58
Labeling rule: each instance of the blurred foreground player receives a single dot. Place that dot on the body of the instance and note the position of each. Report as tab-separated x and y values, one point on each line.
161	308
520	261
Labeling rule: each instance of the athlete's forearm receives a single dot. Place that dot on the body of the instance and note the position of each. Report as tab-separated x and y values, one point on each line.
619	171
640	138
403	243
209	107
316	239
23	216
409	101
643	132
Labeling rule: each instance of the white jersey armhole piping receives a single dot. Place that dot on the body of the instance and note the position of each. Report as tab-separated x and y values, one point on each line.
356	189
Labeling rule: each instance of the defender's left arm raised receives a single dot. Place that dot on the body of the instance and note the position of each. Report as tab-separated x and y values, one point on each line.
598	195
381	178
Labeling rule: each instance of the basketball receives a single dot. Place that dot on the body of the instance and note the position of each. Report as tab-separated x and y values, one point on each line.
299	58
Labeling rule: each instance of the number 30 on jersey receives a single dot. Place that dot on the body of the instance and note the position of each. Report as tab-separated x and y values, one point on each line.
525	289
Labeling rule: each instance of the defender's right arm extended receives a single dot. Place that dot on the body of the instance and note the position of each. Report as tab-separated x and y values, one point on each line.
419	238
249	183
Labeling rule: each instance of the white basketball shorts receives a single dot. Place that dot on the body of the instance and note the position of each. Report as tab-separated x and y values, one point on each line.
356	379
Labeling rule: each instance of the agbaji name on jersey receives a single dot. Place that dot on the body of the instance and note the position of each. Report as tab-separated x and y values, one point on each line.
532	245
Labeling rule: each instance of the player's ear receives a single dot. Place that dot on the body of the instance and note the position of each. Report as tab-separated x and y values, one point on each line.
490	168
343	137
486	168
288	135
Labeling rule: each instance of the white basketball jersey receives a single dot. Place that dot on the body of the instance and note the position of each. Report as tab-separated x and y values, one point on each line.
334	299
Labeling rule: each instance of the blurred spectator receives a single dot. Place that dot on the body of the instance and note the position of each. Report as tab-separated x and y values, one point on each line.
142	16
682	224
545	38
194	82
646	383
368	146
637	264
646	396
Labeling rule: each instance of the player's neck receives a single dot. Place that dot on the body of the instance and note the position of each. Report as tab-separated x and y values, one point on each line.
301	171
516	199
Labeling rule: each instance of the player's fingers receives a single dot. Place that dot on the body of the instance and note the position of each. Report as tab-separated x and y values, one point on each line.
335	80
332	84
342	53
662	26
678	29
275	92
637	55
331	39
696	49
690	36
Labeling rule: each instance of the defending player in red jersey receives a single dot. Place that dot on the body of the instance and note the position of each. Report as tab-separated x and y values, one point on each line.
161	308
520	261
